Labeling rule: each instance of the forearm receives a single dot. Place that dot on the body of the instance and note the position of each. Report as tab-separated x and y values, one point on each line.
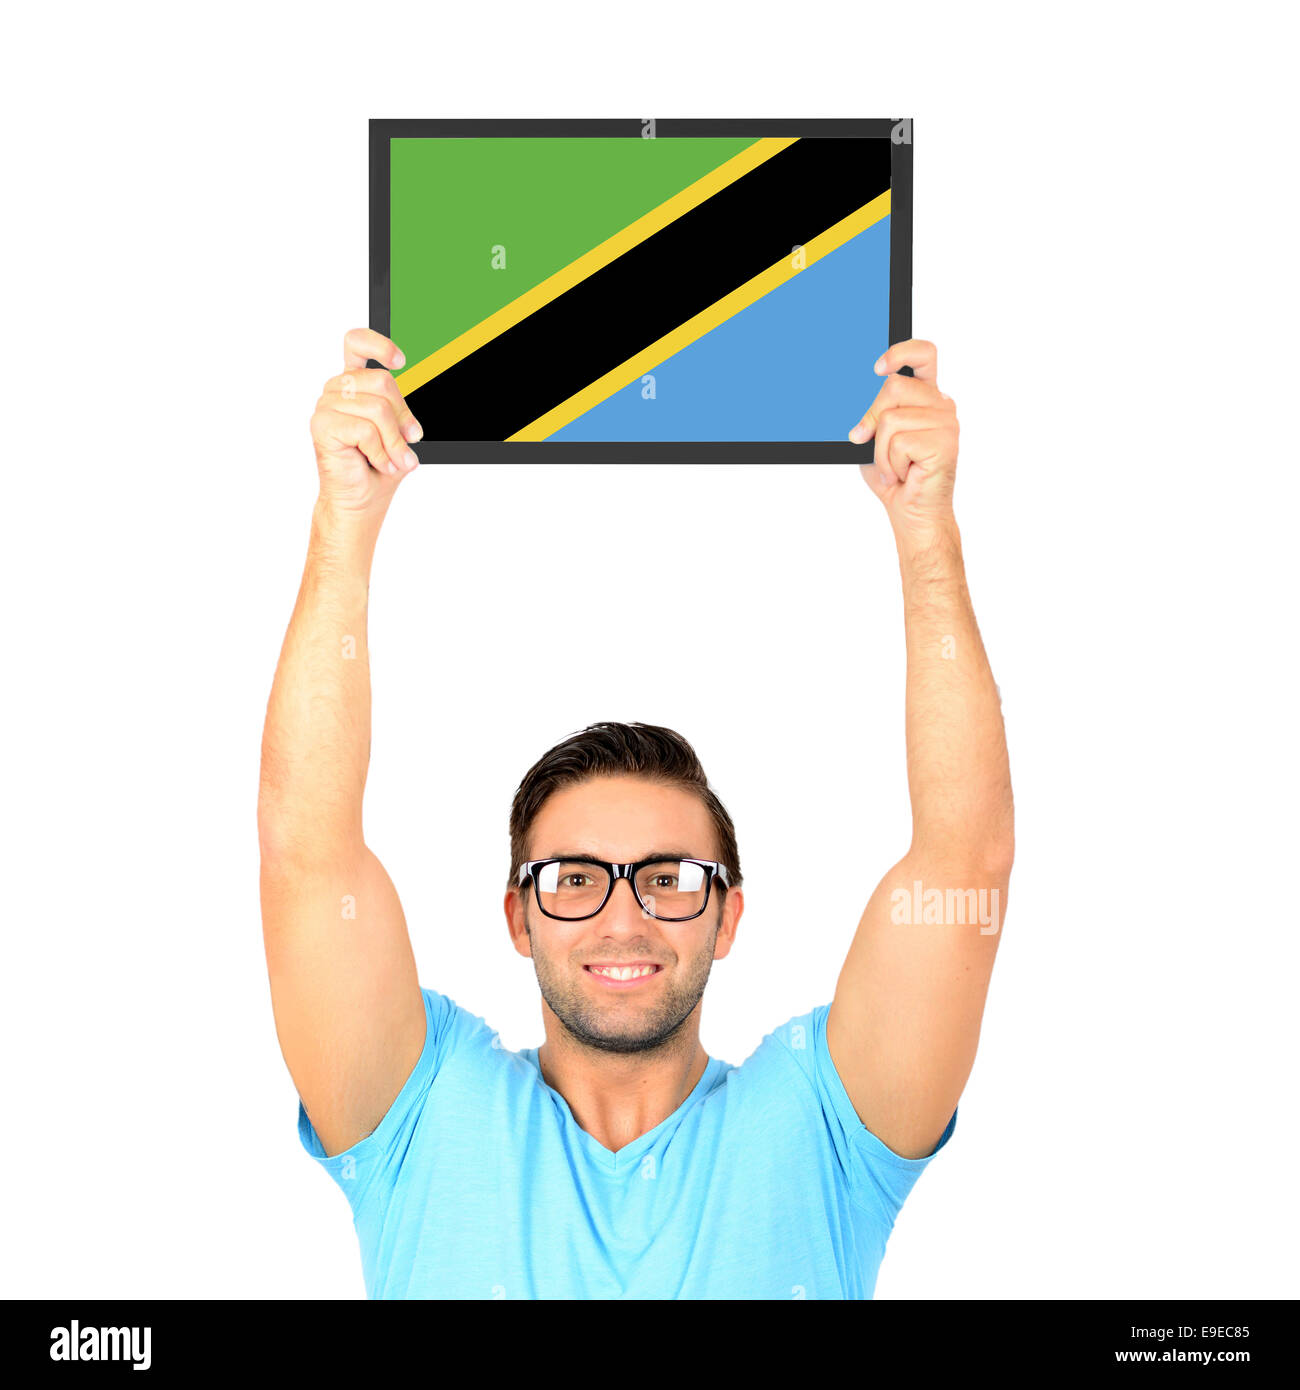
905	1022
316	743
957	767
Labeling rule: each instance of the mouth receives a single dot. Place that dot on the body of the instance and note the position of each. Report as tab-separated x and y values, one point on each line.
623	976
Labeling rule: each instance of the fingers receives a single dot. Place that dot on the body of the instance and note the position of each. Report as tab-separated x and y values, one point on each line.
884	470
362	344
912	422
894	425
921	356
896	391
375	381
369	424
906	448
904	445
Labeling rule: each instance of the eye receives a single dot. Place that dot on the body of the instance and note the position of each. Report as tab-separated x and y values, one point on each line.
569	877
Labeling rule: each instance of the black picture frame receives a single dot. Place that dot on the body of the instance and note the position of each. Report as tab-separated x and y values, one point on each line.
899	132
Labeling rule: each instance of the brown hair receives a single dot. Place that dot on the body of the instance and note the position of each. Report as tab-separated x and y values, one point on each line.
612	750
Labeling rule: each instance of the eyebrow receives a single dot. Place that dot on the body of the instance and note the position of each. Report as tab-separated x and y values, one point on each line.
582	857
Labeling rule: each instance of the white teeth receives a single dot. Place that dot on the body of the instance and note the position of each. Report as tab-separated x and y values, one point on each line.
624	972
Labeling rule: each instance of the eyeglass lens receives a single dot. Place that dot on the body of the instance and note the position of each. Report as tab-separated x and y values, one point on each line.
669	888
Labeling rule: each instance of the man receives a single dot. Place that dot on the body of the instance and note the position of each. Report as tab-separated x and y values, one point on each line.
618	1160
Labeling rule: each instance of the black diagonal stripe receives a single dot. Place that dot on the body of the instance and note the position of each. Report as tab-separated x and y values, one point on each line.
652	289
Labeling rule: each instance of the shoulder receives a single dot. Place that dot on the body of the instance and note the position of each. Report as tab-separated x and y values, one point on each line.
784	1061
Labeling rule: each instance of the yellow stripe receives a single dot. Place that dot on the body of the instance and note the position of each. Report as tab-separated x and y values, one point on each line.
596	259
694	328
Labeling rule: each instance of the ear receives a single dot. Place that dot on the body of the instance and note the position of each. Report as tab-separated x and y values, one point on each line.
517	922
732	906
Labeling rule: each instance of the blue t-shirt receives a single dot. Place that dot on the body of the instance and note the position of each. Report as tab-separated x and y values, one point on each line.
479	1183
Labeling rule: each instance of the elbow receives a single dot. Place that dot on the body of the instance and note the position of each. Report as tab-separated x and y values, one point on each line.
275	833
287	838
277	841
296	838
995	845
971	860
274	818
997	857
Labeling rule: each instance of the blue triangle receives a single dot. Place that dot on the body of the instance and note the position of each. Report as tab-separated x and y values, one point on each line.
794	365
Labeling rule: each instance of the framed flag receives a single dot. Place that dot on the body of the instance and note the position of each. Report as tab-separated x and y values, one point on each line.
640	291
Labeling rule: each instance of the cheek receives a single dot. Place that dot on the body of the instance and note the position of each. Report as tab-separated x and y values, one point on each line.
691	953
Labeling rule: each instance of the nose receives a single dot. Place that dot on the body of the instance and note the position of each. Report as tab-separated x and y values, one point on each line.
632	909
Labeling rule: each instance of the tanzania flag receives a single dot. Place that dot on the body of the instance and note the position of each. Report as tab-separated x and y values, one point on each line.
639	289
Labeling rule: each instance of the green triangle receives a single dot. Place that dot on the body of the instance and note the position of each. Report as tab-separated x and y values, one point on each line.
545	201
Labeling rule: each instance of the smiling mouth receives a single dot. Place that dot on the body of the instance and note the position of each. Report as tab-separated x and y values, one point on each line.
622	974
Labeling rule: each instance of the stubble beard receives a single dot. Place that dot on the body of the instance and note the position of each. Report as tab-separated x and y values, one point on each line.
617	1030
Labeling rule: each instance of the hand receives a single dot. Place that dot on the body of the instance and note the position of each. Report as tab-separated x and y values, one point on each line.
915	428
361	427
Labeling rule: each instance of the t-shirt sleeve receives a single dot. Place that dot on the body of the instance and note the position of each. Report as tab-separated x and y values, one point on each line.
379	1154
878	1178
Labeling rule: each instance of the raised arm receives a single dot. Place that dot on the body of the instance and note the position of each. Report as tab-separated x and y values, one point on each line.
905	1020
347	1003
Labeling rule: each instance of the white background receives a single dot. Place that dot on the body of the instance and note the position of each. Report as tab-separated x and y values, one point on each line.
1104	254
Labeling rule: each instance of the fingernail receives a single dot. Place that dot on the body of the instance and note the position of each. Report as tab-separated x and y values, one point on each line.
413	431
400	359
858	435
880	368
411	460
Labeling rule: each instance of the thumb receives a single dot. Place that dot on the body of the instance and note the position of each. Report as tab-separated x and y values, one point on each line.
865	428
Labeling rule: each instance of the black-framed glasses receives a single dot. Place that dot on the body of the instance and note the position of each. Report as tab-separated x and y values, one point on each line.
671	890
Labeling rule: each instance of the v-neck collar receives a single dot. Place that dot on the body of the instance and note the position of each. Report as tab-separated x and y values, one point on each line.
615	1160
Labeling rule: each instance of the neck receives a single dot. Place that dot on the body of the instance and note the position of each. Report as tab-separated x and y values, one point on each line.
617	1097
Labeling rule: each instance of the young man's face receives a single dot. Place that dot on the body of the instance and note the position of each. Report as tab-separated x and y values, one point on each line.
622	820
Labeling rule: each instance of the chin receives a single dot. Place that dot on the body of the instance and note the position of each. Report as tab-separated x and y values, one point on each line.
623	1034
